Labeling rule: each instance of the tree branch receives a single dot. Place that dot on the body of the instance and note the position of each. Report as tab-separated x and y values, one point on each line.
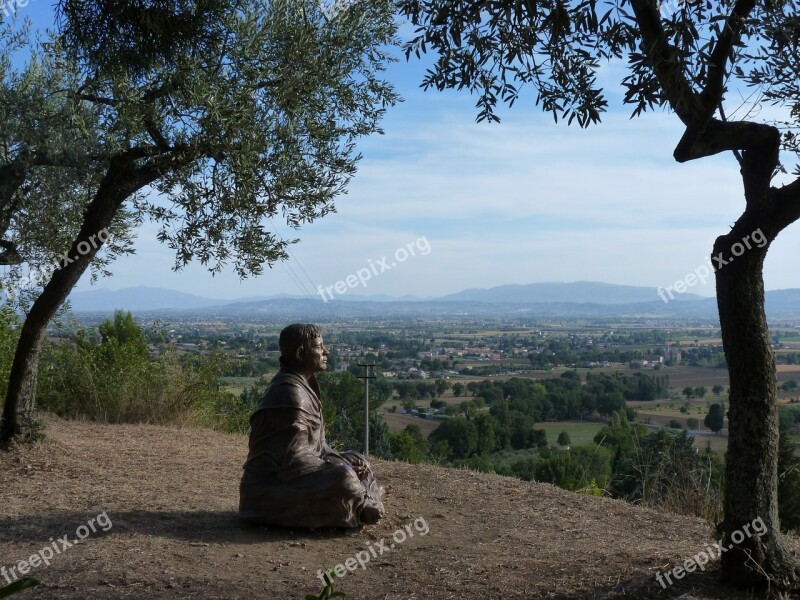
721	136
711	96
704	135
664	61
156	135
12	177
787	205
94	99
10	255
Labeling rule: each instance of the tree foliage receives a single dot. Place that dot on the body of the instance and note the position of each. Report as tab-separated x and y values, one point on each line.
257	105
563	439
343	411
409	445
208	118
715	419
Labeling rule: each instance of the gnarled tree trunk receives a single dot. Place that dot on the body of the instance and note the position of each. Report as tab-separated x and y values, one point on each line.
115	187
751	498
22	378
122	179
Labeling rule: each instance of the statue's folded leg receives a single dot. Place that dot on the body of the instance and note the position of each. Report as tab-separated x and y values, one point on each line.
367	477
331	496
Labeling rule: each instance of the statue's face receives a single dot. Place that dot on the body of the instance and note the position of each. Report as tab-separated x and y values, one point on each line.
315	357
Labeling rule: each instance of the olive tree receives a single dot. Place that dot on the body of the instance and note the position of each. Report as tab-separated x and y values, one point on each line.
692	59
45	179
208	117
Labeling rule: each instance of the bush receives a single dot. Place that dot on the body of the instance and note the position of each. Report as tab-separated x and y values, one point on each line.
409	445
524	468
664	470
459	434
563	439
9	335
113	379
575	470
563	470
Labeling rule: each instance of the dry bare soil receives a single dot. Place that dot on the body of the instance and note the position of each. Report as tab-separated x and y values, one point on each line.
171	497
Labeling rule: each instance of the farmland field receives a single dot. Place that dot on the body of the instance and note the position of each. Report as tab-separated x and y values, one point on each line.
580	433
672	408
680	377
397	422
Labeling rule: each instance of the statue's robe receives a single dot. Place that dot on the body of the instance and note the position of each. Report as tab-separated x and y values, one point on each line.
292	477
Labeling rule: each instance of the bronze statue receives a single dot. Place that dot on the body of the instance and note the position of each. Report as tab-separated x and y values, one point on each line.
292	477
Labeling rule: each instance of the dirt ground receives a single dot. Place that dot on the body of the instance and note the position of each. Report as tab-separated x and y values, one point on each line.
168	500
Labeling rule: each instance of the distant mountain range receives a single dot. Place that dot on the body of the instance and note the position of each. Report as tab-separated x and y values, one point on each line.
576	299
575	292
143	298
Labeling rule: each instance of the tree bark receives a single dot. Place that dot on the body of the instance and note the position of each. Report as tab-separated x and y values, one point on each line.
752	457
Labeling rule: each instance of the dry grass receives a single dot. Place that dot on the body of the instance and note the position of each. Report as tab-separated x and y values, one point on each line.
172	496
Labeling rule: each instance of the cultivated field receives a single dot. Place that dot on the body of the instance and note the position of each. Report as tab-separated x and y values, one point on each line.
398	421
580	433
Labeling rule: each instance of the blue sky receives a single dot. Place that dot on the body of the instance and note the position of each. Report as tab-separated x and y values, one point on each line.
523	201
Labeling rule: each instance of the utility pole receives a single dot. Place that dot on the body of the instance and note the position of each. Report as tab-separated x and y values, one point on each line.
366	377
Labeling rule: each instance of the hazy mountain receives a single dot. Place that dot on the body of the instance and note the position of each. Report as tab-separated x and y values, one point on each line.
783	302
579	299
576	292
304	308
138	299
383	298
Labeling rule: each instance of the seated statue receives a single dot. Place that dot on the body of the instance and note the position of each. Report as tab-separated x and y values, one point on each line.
292	477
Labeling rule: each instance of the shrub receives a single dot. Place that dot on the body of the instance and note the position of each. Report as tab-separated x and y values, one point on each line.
113	379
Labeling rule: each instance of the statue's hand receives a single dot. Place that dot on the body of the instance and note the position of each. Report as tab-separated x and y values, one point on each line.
359	465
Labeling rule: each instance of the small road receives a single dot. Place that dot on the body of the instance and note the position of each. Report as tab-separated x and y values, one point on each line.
695	433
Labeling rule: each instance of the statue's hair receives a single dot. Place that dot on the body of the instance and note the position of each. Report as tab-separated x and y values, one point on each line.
294	337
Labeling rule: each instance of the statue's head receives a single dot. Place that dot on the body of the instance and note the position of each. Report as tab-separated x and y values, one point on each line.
302	348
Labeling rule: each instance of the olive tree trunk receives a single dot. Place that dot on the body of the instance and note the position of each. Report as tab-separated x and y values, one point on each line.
22	378
751	478
755	553
122	179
